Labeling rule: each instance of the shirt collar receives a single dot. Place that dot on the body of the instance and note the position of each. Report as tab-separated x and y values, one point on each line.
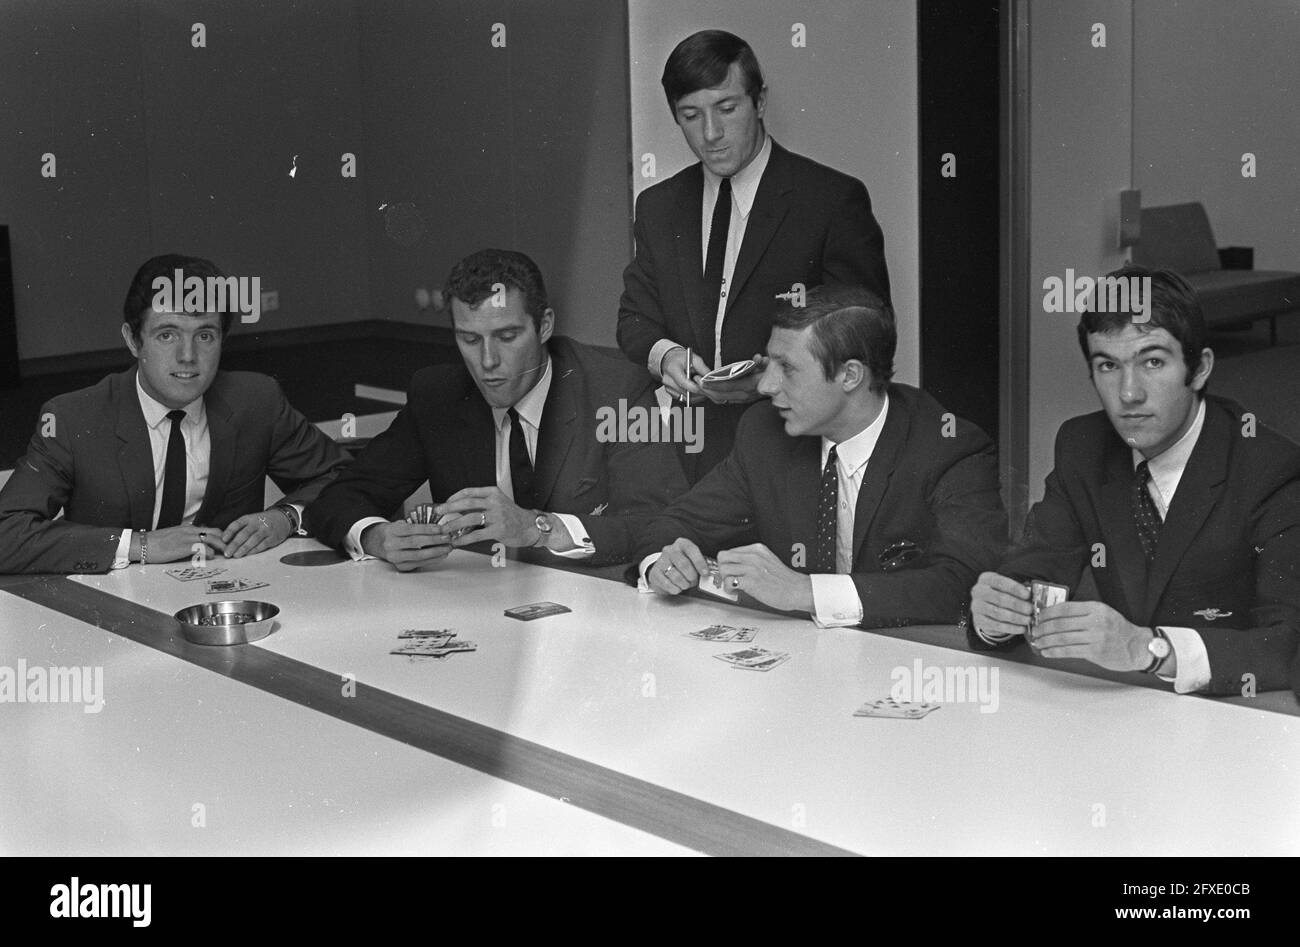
1167	467
744	183
530	405
854	452
155	412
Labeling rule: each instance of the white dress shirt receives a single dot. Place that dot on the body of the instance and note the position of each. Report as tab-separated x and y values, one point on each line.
529	408
198	451
744	188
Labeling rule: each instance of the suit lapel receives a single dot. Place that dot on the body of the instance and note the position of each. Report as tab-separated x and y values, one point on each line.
222	437
134	453
1116	508
802	489
898	424
690	252
1198	492
559	424
771	204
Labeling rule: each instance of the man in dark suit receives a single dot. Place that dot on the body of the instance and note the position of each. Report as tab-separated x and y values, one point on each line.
165	459
883	504
509	441
1186	509
717	243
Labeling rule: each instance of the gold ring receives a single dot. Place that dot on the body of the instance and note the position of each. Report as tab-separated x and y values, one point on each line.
735	581
482	518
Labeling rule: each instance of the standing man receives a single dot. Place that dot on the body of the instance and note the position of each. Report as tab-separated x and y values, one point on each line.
717	243
508	441
171	453
1187	512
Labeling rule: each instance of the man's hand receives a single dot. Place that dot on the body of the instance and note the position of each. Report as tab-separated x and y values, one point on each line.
408	546
678	568
490	514
678	376
1095	632
755	569
741	390
177	542
1000	605
256	532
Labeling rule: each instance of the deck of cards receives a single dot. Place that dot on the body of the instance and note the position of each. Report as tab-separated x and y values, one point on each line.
723	633
895	709
536	610
1045	595
754	659
228	586
431	643
711	582
423	513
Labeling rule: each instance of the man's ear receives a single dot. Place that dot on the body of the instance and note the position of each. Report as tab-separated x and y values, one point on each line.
855	375
761	104
546	326
1203	370
129	339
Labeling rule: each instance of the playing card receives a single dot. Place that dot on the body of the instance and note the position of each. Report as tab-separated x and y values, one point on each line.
898	710
723	633
190	574
711	582
226	586
433	648
1046	594
458	533
754	659
426	633
536	610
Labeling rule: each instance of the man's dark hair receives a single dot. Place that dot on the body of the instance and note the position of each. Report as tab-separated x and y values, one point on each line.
471	280
848	322
1173	306
702	60
139	298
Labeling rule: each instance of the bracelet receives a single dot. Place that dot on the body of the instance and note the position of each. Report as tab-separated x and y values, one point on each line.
144	547
286	510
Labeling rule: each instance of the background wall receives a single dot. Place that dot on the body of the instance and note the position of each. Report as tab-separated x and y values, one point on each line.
1213	80
847	100
163	147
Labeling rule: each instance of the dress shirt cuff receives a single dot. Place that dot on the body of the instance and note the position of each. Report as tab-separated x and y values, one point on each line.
577	537
297	508
1193	660
657	352
352	544
643	584
123	557
835	601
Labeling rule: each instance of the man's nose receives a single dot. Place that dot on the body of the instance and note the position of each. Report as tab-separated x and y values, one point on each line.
1130	389
712	127
767	384
189	350
490	357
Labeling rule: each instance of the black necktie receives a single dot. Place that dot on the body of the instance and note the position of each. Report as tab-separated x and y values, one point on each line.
1145	513
172	510
521	468
717	246
827	500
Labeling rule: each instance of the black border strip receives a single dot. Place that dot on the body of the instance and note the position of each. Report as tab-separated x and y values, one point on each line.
673	816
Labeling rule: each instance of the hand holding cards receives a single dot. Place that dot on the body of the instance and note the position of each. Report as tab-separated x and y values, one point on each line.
1044	595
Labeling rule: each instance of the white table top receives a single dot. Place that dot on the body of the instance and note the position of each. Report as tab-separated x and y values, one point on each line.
273	777
1065	765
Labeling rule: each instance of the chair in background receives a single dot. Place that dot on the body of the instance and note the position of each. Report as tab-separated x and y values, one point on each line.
1178	237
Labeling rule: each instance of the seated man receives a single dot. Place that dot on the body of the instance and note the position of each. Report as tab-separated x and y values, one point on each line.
881	502
166	455
1186	509
508	441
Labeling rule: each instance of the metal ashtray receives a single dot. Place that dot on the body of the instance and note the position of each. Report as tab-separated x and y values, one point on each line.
227	622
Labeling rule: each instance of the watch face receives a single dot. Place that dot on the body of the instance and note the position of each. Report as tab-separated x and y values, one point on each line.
543	523
1159	647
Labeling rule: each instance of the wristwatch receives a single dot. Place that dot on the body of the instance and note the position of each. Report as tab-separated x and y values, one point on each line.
295	521
543	524
1159	647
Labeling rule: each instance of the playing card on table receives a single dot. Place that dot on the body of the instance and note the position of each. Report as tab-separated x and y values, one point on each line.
427	633
226	586
723	633
190	573
536	610
434	648
711	582
754	659
896	709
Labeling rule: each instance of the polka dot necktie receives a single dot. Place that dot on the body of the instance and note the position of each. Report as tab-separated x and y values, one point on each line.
1145	513
827	500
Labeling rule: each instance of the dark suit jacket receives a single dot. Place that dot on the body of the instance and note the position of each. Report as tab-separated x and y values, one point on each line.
940	493
445	435
1230	541
809	224
98	468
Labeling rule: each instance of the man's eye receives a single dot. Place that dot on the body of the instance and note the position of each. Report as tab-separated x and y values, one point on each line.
164	336
508	337
1105	366
1155	362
